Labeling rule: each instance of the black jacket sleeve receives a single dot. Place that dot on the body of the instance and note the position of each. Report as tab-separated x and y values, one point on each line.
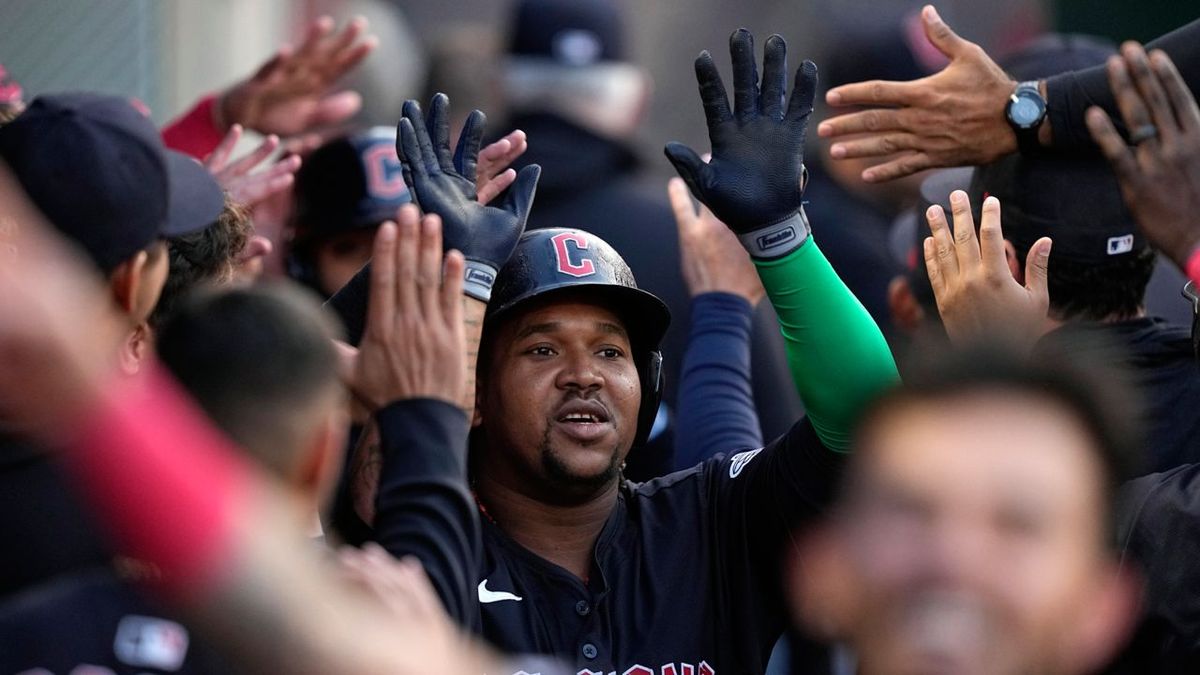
424	507
1071	94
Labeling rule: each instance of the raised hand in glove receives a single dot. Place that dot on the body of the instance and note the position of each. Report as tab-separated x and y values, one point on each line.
754	182
445	185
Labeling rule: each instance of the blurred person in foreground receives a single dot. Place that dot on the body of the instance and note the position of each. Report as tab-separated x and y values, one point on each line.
569	83
260	362
230	558
975	528
126	196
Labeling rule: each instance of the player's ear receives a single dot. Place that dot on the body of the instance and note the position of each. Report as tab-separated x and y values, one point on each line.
125	281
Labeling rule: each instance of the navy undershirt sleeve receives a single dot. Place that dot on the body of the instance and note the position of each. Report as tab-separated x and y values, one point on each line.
1071	94
423	507
715	405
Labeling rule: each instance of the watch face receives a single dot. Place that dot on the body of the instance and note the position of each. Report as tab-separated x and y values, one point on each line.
1026	110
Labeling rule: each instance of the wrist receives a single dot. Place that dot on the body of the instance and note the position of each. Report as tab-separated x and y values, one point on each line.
777	239
478	279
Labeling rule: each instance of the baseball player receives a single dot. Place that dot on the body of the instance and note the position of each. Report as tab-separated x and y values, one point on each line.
533	537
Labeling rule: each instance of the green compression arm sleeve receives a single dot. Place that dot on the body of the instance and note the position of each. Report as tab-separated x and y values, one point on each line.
837	355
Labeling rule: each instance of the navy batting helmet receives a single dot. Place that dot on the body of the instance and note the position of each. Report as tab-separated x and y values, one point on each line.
556	260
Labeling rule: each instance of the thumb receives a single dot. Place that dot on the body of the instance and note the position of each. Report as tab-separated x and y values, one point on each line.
1037	265
940	34
520	194
681	205
688	165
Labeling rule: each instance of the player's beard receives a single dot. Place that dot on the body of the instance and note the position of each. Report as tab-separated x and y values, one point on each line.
571	484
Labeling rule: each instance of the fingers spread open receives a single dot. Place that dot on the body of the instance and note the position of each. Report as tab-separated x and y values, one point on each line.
1182	100
745	75
1112	145
1037	271
408	241
1151	90
947	261
877	145
966	246
219	157
438	128
873	93
429	266
712	91
1129	101
804	89
940	34
409	152
904	165
496	185
877	120
426	155
991	238
466	155
774	78
382	295
246	164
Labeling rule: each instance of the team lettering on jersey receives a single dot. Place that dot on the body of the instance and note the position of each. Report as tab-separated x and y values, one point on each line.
668	669
566	265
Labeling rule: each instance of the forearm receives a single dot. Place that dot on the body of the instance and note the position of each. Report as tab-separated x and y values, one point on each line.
473	315
715	407
837	355
1070	94
423	506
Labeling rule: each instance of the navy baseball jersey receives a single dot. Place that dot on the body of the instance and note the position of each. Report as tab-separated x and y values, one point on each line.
686	574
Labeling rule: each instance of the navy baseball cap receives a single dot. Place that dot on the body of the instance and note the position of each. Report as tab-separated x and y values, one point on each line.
97	169
1076	201
349	183
569	32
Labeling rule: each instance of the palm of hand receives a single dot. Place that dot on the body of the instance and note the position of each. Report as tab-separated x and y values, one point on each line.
755	175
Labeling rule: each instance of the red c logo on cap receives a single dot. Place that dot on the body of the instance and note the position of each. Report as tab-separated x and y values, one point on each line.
385	178
585	267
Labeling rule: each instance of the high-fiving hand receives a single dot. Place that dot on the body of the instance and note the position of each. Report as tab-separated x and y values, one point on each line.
414	342
754	182
976	294
1160	176
446	185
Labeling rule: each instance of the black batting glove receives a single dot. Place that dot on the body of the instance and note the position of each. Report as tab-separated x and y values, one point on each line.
754	182
445	185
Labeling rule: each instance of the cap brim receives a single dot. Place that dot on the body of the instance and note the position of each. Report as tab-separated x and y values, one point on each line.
195	200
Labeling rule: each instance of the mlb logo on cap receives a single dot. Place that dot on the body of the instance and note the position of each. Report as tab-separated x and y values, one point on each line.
150	642
1119	245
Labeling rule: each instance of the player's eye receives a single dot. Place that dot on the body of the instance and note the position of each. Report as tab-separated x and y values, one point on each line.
540	350
611	353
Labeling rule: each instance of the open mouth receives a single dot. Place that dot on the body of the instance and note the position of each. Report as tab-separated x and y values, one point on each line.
583	420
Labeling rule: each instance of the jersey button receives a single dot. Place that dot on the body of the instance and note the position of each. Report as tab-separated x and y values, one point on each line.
589	651
582	608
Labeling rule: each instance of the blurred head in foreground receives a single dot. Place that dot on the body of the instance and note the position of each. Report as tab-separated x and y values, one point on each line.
975	528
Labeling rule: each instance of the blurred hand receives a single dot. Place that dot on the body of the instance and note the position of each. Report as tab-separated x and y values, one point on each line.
236	177
401	586
712	259
951	118
492	175
414	341
754	182
976	294
1160	176
59	330
446	186
290	93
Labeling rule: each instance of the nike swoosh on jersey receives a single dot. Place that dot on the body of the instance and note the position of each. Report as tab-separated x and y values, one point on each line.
488	596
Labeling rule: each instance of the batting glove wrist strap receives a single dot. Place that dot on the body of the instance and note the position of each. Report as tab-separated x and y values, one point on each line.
777	239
